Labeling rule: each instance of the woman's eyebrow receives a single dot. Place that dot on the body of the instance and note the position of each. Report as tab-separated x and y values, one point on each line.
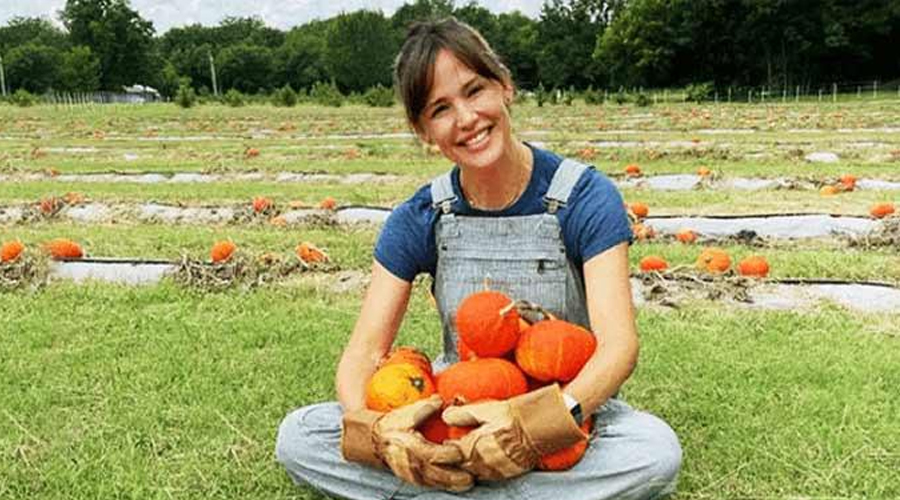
466	86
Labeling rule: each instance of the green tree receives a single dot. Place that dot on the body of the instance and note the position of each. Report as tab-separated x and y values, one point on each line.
420	10
248	68
80	71
481	19
516	44
302	60
121	39
361	49
567	34
245	30
33	67
24	30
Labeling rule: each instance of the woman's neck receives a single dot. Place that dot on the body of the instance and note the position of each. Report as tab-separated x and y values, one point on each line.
499	186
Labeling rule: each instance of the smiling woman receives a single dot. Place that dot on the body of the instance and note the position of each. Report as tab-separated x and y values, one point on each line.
542	228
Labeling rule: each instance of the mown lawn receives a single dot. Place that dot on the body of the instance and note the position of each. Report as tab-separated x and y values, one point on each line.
160	392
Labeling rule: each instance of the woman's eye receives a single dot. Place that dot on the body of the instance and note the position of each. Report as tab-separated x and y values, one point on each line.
474	90
438	110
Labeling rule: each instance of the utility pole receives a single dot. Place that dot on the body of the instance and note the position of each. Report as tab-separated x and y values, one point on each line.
212	70
2	78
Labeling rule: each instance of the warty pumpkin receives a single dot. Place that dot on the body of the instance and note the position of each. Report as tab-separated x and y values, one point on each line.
881	210
62	248
480	379
653	263
633	170
310	254
848	182
554	350
397	385
222	251
639	209
686	235
488	323
328	203
828	190
714	260
262	204
407	354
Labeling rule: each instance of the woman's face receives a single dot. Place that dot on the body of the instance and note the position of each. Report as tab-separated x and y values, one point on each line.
466	114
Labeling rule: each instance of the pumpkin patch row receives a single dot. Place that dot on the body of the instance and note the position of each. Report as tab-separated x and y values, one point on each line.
502	355
714	261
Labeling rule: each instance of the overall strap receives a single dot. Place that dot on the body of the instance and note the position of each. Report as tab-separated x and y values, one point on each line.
442	195
564	180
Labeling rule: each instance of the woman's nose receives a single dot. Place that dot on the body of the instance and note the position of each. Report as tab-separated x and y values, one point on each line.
465	116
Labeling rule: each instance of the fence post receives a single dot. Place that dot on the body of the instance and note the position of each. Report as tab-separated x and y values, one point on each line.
875	89
833	92
820	95
797	95
859	91
750	96
729	94
783	95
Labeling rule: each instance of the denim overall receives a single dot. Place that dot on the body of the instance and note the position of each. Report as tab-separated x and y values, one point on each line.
632	454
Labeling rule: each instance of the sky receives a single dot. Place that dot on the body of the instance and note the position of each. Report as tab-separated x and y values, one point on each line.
282	14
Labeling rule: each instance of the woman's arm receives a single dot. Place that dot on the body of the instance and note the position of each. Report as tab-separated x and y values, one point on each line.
379	319
611	311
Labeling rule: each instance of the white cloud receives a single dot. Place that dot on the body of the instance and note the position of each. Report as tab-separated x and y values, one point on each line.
281	14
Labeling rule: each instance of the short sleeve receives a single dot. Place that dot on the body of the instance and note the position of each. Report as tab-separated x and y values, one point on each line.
405	245
596	220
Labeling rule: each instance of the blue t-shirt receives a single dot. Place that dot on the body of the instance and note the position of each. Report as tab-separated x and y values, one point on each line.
593	220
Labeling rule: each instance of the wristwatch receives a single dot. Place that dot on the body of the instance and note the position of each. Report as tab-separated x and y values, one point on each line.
574	408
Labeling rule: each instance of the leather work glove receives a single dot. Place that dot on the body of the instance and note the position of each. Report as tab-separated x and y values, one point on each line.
378	439
513	434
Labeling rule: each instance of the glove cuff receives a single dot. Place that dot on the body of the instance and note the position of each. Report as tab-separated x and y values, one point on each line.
546	420
357	437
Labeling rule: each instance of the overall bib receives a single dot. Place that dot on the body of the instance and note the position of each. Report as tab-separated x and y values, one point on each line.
632	454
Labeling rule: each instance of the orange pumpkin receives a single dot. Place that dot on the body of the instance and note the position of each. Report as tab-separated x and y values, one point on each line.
566	458
686	235
828	190
309	253
328	203
62	248
848	182
488	323
714	260
881	210
222	251
653	263
11	250
633	170
639	209
407	354
251	152
554	350
261	204
50	205
755	265
704	171
642	232
480	379
397	385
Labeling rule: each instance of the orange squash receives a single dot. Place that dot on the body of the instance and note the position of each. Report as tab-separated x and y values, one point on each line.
828	190
11	250
642	232
882	210
639	209
653	263
251	153
61	249
554	350
397	385
566	458
714	260
262	204
686	235
328	203
755	265
480	379
488	323
848	182
633	170
222	251
407	354
704	172
309	253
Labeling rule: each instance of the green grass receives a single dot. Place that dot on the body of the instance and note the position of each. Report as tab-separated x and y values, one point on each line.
163	393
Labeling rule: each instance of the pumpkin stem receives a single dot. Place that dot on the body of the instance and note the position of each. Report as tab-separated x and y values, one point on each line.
525	306
418	383
487	283
509	307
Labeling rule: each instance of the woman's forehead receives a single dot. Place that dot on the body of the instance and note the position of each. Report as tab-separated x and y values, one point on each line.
449	74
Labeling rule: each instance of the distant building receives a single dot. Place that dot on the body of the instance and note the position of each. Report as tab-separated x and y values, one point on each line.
138	94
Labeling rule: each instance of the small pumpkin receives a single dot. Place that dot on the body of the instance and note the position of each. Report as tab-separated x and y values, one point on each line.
755	265
848	182
653	263
633	170
554	350
488	323
639	209
714	260
262	204
407	354
222	251
11	250
704	172
882	210
566	458
328	203
480	379
828	190
397	385
642	231
62	248
251	153
686	235
311	254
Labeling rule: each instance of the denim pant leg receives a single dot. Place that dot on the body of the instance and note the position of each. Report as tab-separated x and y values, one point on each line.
633	455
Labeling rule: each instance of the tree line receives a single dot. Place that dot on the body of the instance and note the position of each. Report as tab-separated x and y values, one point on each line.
580	44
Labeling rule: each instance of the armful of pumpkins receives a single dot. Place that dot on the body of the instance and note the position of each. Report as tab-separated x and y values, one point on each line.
496	414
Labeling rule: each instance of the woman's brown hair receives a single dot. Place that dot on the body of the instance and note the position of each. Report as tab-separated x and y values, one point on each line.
414	66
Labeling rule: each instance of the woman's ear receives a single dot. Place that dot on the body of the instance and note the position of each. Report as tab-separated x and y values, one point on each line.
509	92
